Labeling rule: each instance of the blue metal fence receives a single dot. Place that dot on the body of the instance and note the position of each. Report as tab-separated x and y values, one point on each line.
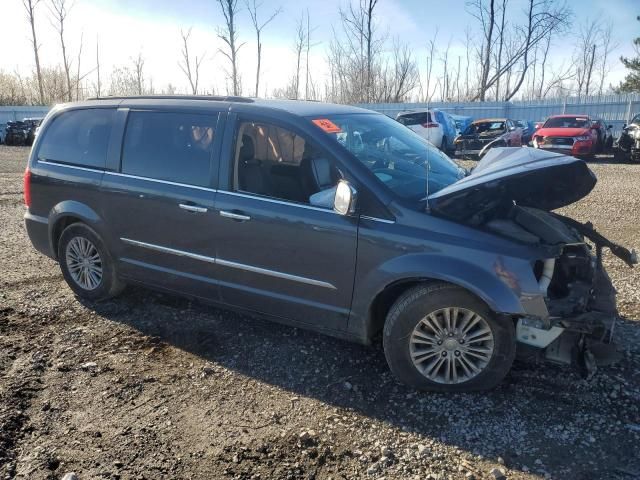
10	113
615	110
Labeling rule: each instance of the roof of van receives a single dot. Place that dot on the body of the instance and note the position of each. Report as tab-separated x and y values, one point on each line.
296	107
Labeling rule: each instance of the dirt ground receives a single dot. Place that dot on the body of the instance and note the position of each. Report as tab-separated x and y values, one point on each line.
154	386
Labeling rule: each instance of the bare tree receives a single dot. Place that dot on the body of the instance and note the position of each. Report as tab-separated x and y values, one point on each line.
607	46
138	70
431	53
298	47
190	68
229	35
98	86
30	6
358	23
258	27
486	15
60	10
78	68
309	86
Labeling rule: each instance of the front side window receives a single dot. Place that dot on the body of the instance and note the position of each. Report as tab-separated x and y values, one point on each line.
78	137
169	146
406	163
274	162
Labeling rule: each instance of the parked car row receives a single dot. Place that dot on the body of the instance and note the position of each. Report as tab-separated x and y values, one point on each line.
20	132
578	135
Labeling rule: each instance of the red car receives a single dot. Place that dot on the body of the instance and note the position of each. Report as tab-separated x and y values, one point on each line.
568	134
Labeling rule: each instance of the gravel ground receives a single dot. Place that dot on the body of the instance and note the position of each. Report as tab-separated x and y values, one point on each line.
154	386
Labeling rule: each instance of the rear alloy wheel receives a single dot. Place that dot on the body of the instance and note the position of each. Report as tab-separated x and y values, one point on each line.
86	264
439	337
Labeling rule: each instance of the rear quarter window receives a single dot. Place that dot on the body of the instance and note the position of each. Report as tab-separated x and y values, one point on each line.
78	137
169	146
410	119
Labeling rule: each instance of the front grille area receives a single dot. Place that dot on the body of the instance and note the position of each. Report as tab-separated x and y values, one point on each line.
557	140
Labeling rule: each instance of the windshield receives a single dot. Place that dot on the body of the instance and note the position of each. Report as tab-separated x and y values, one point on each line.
399	158
567	122
485	127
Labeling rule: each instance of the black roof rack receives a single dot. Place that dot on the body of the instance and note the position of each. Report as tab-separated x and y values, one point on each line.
216	98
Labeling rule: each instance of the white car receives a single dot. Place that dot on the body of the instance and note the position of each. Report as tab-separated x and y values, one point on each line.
425	124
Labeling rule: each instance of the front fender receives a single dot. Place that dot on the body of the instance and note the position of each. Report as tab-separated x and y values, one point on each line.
506	284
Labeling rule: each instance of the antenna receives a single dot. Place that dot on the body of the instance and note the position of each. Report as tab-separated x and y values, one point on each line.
427	189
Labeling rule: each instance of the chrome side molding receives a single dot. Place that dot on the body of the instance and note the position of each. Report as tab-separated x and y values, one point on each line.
230	264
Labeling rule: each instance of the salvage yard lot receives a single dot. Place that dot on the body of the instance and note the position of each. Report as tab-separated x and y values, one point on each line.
154	386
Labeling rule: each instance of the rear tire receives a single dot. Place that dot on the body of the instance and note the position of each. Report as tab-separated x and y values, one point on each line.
466	359
86	264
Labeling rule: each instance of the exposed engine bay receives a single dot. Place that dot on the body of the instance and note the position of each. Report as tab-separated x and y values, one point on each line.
580	297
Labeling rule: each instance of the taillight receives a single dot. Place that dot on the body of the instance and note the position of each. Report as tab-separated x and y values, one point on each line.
430	125
27	187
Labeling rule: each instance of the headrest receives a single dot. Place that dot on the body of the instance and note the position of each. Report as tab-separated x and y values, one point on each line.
247	150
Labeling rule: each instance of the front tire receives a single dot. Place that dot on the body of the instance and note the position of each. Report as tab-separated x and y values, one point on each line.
441	338
86	264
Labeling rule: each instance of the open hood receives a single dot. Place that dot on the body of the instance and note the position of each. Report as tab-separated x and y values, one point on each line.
525	176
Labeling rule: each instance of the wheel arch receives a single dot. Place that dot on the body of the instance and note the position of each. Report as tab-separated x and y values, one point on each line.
385	298
66	213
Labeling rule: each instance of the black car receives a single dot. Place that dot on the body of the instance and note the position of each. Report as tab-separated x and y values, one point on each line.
17	133
328	217
22	132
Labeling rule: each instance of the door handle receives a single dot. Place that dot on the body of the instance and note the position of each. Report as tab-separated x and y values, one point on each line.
192	208
234	216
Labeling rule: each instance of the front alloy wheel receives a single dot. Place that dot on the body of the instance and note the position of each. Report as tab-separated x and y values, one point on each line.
451	345
440	337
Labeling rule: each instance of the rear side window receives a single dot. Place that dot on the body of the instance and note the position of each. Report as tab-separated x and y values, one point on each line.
169	146
78	137
410	119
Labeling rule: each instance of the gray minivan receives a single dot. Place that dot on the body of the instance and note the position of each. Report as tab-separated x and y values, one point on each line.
328	217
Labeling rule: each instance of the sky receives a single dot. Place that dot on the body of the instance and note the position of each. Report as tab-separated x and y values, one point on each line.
152	28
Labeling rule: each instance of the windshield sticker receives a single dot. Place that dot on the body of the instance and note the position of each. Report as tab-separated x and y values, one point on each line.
327	125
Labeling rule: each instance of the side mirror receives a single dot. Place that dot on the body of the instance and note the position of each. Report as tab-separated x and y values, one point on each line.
344	202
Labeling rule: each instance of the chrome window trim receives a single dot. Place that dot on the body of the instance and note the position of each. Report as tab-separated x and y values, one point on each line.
376	219
230	264
157	180
75	167
280	202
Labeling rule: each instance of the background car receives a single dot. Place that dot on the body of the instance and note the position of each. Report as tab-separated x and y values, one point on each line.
528	127
485	134
433	125
17	133
32	127
3	132
462	122
574	134
605	137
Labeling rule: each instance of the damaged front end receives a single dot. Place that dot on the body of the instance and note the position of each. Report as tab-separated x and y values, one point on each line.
579	295
513	193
